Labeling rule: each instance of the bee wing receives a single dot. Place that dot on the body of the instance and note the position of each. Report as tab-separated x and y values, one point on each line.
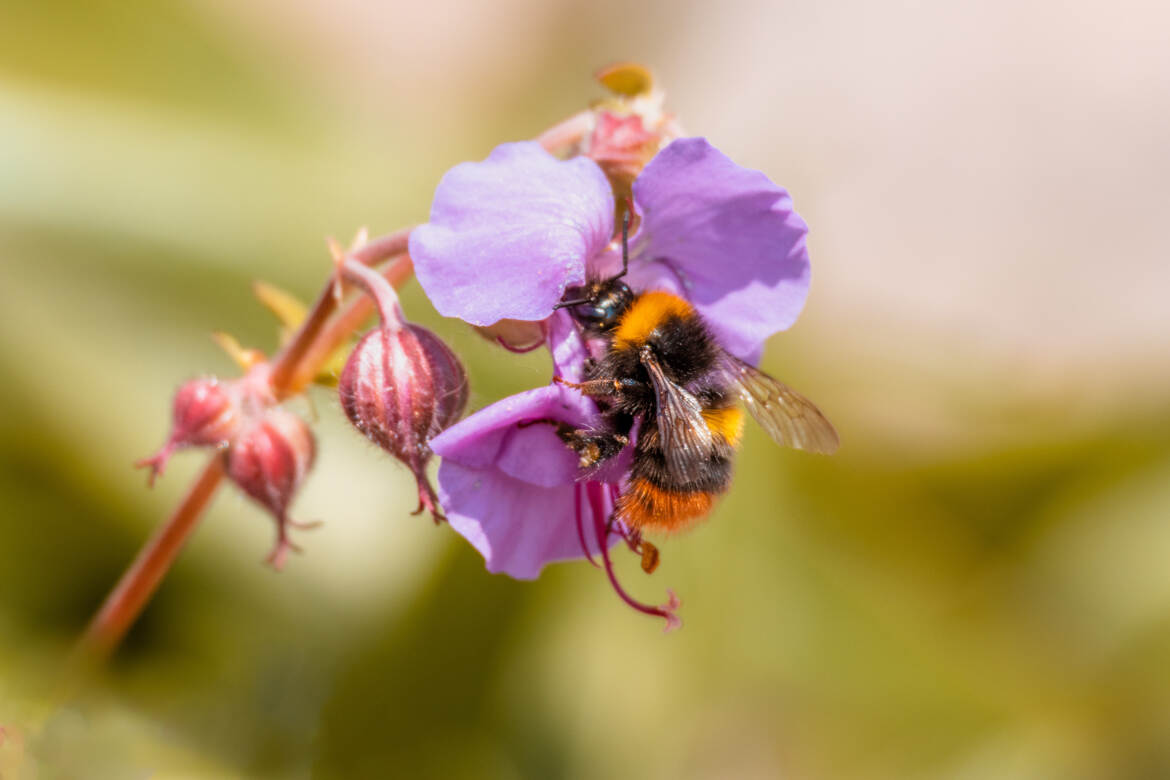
789	418
687	442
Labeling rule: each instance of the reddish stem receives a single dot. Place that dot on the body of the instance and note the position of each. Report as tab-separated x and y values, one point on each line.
292	369
345	323
378	288
139	582
285	366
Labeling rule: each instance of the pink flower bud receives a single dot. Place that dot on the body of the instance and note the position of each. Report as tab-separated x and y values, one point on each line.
268	460
400	387
622	146
205	414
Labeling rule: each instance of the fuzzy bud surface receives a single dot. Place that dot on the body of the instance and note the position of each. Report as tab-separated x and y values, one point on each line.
400	387
205	413
268	461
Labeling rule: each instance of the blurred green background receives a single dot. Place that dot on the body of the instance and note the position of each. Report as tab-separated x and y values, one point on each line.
975	587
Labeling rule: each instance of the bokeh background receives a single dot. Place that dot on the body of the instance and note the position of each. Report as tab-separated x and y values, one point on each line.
977	586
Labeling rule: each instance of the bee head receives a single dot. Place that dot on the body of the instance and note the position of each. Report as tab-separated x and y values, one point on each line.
598	305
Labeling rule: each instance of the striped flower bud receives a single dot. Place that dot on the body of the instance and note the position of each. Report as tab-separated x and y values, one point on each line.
400	387
268	460
205	413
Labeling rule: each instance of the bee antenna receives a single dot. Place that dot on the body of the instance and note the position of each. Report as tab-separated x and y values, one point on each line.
576	302
626	239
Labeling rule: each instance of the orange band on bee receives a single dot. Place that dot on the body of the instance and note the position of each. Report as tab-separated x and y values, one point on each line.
646	314
647	507
725	423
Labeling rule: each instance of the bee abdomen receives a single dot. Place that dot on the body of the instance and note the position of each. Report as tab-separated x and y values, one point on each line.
656	500
714	476
649	507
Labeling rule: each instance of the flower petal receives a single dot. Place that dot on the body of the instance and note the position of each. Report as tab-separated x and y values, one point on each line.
567	347
508	234
491	438
517	527
729	235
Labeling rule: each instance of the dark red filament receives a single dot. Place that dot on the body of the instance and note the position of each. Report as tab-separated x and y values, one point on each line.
577	496
519	350
603	526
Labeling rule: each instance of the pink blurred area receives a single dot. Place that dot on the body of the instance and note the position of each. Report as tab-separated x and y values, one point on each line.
994	172
975	586
985	182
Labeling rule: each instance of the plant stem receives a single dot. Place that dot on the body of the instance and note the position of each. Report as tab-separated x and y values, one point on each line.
377	288
292	369
287	363
128	598
337	330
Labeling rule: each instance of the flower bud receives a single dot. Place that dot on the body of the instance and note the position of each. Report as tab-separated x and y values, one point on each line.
205	413
268	460
400	387
622	145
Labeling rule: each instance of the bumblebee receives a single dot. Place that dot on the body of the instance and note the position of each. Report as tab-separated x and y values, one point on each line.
664	370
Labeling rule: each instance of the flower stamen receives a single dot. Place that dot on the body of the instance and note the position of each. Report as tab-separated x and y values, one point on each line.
578	489
519	350
603	527
633	539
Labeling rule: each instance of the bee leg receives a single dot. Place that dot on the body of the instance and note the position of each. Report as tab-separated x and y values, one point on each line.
593	447
594	388
600	388
559	425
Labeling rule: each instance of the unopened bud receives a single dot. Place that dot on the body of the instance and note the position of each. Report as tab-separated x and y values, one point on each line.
205	413
400	387
268	460
622	145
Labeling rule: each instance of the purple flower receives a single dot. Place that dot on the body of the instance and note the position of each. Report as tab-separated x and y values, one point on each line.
511	487
507	236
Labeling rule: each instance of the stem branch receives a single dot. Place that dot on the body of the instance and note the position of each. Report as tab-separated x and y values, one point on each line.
128	598
378	288
287	364
349	319
292	369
